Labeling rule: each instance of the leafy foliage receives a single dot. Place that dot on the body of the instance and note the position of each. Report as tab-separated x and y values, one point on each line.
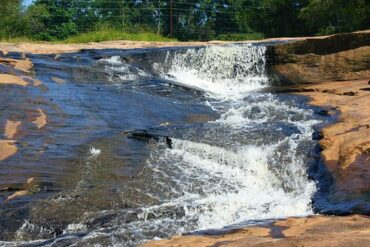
10	19
55	17
332	16
271	17
180	19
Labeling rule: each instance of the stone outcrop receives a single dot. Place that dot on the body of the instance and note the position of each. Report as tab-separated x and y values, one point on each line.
346	143
334	72
334	58
316	231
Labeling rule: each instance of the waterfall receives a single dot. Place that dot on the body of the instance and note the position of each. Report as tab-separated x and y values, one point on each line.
222	71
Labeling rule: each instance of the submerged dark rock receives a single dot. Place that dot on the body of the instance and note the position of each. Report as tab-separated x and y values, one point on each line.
144	135
317	135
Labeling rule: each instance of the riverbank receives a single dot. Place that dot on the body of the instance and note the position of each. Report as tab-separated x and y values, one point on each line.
54	48
51	48
334	72
346	143
316	231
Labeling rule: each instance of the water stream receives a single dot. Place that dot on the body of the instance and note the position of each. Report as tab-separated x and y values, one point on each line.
146	144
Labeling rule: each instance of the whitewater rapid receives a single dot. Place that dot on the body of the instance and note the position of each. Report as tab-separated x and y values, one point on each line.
224	72
220	181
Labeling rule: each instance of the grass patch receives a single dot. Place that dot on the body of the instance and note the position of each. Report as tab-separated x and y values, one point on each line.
240	36
19	40
111	34
107	35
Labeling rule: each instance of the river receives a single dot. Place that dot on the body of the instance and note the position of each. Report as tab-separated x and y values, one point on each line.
144	144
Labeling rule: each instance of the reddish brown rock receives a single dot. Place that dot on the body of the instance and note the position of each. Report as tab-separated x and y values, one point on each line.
318	231
334	58
12	80
11	128
346	143
21	65
41	120
7	149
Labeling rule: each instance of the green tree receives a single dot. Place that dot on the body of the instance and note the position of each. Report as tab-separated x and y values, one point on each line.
125	15
11	20
332	16
33	25
58	19
225	18
271	17
86	17
183	19
197	20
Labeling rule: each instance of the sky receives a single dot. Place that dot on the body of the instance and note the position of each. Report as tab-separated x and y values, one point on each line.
27	2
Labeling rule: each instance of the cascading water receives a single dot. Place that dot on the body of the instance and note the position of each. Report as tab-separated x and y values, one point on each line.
223	71
248	165
223	177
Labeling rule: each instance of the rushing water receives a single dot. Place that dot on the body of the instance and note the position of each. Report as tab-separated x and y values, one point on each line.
145	144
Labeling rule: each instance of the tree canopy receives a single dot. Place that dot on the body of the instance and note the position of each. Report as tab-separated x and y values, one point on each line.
182	19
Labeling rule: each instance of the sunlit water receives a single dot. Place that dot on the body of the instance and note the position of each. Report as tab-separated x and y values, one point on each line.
148	144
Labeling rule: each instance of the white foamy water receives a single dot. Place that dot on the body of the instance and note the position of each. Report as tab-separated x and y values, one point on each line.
116	69
112	60
220	187
95	152
225	72
227	183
